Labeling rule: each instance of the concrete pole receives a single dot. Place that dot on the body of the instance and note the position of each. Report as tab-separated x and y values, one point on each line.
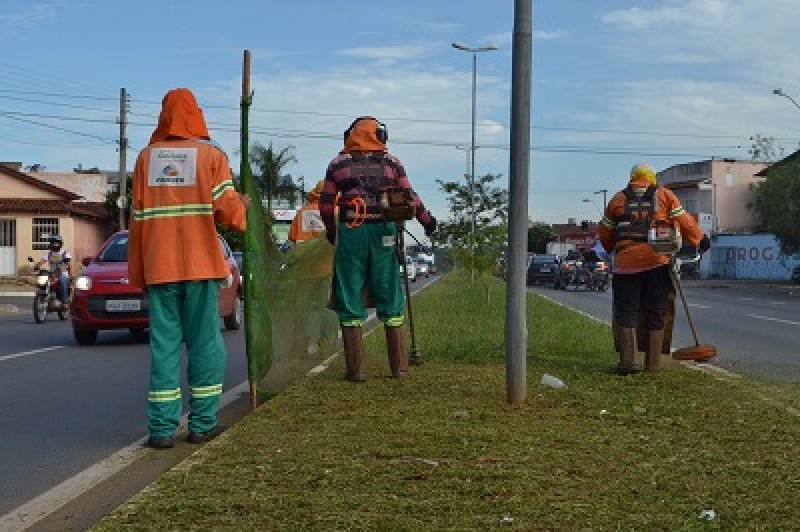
516	290
472	164
122	200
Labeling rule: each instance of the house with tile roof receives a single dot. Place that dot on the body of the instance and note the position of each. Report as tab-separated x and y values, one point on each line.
32	209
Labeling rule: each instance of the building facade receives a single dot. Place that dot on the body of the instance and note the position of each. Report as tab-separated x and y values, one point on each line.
31	210
716	192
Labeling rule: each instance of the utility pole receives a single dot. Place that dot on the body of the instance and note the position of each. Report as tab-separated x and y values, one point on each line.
516	331
122	199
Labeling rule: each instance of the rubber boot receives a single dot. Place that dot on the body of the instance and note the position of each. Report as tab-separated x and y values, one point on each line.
654	348
354	354
627	351
396	346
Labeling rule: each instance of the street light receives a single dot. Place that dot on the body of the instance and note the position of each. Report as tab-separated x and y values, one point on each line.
780	92
603	192
474	52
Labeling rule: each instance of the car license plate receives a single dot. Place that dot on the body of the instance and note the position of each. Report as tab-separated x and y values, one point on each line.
545	270
123	305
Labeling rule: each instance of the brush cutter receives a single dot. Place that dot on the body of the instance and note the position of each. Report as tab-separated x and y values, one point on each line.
415	357
698	352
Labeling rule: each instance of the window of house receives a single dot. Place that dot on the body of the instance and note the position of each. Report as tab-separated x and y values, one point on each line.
43	229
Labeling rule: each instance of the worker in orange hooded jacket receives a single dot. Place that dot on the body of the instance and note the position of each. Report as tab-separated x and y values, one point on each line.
182	185
307	223
642	225
365	240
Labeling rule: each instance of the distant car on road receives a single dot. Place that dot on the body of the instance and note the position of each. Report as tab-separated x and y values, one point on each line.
432	267
542	268
103	298
411	269
422	268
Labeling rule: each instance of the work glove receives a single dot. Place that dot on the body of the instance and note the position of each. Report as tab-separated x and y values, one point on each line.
431	227
705	244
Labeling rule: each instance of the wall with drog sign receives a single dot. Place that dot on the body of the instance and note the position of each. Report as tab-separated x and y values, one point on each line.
748	257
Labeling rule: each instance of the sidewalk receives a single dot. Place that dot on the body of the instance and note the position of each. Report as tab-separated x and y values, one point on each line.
13	290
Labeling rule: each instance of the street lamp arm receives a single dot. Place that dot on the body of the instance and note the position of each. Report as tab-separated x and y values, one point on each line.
779	92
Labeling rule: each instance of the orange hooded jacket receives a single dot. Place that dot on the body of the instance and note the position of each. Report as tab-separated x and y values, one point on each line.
635	257
181	186
307	223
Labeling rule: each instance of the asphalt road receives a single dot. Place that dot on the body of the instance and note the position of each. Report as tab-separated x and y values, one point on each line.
65	408
755	326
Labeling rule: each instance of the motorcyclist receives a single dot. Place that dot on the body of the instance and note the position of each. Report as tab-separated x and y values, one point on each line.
55	258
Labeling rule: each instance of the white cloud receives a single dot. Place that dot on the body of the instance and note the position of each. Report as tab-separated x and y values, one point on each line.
389	53
35	14
545	35
691	12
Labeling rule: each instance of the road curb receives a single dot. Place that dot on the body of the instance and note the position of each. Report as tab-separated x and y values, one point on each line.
17	294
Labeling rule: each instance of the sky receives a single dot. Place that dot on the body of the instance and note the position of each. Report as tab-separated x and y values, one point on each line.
615	82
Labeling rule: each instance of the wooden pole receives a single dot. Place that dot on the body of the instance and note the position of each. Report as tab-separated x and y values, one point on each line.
245	143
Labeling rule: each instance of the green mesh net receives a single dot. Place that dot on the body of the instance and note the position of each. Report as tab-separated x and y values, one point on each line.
288	326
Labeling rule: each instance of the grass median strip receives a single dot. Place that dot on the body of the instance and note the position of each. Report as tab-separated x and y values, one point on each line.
442	450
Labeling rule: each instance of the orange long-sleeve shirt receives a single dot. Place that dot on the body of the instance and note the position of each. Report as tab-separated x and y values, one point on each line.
632	256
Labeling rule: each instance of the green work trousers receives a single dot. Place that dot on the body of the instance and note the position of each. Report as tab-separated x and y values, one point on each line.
187	311
365	257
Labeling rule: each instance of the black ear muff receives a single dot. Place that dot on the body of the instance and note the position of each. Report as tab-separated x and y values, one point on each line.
381	132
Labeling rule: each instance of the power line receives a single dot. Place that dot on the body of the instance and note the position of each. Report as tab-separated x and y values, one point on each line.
57	128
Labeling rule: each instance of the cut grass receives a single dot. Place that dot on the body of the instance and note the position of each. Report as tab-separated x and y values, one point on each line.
443	450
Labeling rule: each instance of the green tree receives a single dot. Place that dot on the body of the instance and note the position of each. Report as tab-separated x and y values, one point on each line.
777	205
538	237
765	149
491	218
268	165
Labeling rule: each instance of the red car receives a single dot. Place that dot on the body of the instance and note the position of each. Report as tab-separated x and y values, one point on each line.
103	299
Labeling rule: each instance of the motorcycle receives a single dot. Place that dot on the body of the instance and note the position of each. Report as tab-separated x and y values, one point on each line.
687	266
46	300
571	272
598	276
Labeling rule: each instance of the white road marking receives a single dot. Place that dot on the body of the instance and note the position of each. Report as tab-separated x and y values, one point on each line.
777	302
773	319
747	299
32	352
698	306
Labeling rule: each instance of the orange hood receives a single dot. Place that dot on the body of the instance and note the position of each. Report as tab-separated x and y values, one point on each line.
313	195
180	117
363	137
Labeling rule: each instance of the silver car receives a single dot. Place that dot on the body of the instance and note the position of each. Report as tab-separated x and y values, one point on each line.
422	268
411	269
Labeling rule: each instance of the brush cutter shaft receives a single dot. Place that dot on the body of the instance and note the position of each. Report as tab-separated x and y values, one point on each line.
677	282
401	252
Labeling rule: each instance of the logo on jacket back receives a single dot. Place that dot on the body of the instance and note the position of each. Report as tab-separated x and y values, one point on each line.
172	167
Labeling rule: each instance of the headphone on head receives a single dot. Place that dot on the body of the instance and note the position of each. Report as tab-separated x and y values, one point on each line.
381	132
